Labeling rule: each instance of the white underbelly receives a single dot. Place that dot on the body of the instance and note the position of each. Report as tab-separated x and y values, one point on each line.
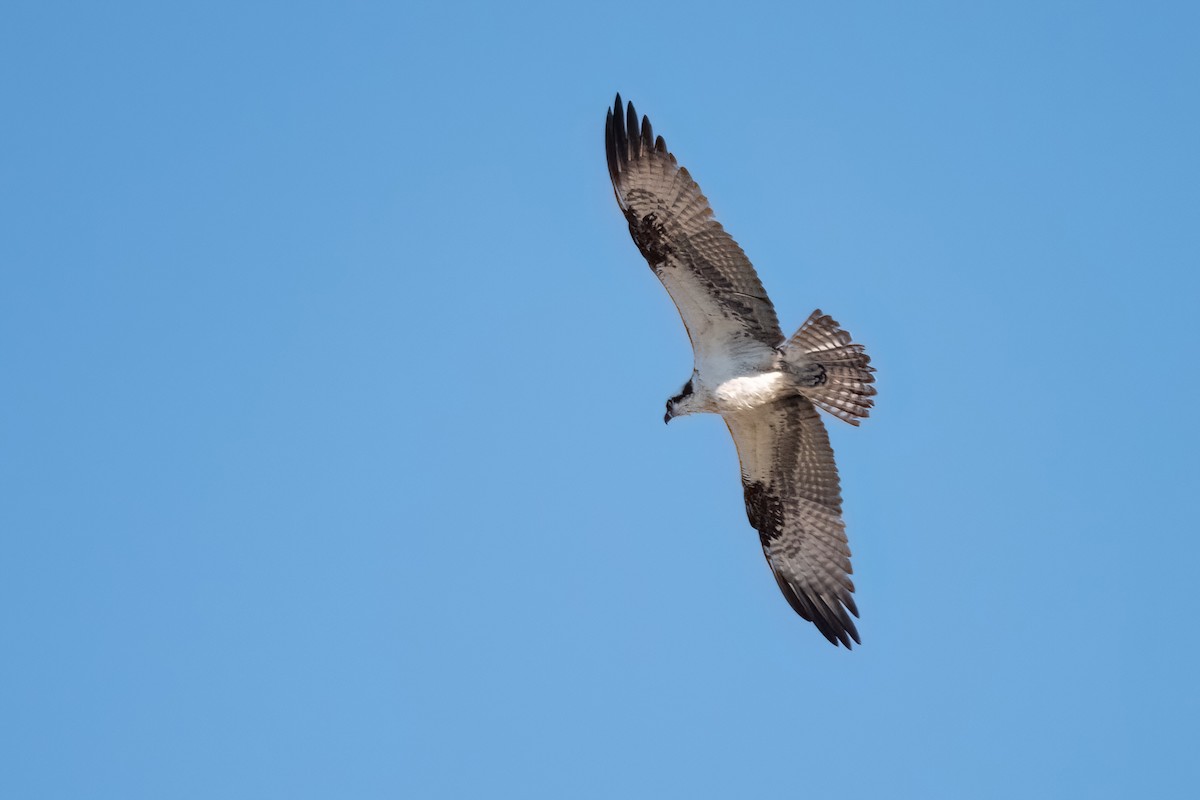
745	393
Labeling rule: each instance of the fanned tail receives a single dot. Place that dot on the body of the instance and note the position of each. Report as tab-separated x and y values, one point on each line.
843	384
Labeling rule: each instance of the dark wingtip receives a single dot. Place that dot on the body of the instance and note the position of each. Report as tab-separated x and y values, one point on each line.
826	614
616	144
625	139
610	147
838	621
631	123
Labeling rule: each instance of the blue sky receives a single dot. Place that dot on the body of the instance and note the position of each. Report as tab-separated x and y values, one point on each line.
331	453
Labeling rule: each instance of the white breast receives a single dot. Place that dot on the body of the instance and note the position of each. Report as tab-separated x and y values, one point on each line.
745	393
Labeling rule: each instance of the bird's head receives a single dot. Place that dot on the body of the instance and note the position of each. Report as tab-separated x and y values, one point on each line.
677	406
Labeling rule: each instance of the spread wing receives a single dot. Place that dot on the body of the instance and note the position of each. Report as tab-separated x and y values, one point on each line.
713	284
793	500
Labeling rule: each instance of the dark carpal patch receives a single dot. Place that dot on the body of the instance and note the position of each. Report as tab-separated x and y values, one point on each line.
765	511
650	236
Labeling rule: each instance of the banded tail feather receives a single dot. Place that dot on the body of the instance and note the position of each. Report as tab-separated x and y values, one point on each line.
844	386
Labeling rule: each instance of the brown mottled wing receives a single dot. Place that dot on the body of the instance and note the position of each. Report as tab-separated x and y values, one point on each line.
793	500
713	284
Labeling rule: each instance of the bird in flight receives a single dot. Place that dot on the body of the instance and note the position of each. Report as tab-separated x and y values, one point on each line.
766	388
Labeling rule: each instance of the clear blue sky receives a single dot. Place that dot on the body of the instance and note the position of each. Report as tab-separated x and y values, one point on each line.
332	460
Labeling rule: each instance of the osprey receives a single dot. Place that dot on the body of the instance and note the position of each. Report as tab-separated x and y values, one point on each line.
765	388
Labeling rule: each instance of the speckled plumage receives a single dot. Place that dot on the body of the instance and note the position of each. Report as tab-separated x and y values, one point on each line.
763	387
